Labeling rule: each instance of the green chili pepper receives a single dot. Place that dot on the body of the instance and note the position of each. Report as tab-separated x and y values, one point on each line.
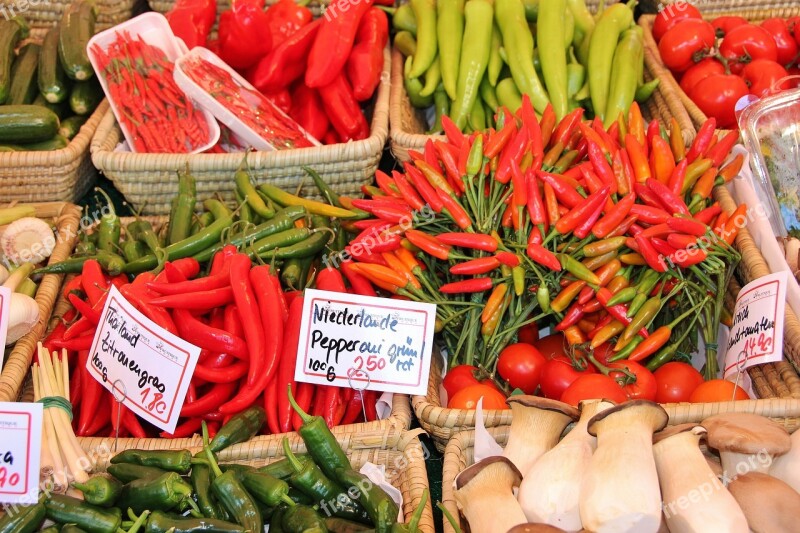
325	190
309	479
72	528
576	75
380	507
132	250
450	31
239	470
508	95
160	522
69	510
623	296
518	276
217	208
574	267
284	199
643	317
284	468
248	191
404	20
340	525
142	231
269	490
496	63
413	524
303	519
477	117
126	472
282	240
102	490
475	48
163	493
584	22
543	298
475	157
645	91
518	43
276	521
179	461
25	520
488	93
311	246
630	51
112	263
550	30
405	42
294	273
627	350
240	428
201	483
414	87
202	221
180	219
441	105
616	19
246	213
433	76
425	16
636	304
109	227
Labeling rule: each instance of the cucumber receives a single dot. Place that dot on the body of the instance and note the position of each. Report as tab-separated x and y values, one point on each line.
23	88
77	27
56	143
71	126
11	32
53	81
21	124
85	96
61	109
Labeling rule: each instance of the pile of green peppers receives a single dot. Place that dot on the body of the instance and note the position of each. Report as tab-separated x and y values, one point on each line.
158	491
468	57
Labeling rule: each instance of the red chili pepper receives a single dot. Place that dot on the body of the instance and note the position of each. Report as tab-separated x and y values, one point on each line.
467	286
678	177
498	140
334	43
287	62
407	191
452	132
688	258
661	246
370	405
448	154
474	267
185	429
582	211
353	408
308	110
650	215
94	282
365	256
638	158
662	161
535	236
208	283
656	231
571	317
508	259
250	317
720	151
473	241
619	311
71	285
707	215
551	204
86	310
213	339
702	140
365	64
680	241
430	244
566	127
359	283
513	151
543	256
535	205
216	396
455	210
285	376
138	297
646	249
241	43
614	217
646	195
601	166
284	19
670	200
271	406
82	342
202	300
91	394
342	107
191	20
687	225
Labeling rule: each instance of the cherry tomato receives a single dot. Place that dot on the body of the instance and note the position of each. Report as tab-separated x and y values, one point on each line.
723	25
521	366
529	333
716	96
552	345
762	76
685	43
468	398
560	372
747	43
700	71
675	382
459	377
784	40
642	384
793	24
718	390
672	15
594	387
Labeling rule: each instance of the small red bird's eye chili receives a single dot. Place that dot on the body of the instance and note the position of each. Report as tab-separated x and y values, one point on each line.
706	216
213	339
678	177
650	215
425	190
670	200
720	151
430	244
513	151
653	258
203	300
702	140
687	225
473	241
358	283
583	211
474	267
467	286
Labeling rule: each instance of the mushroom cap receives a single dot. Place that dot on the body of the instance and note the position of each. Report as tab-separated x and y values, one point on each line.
535	528
544	403
768	503
473	471
746	433
671	431
645	407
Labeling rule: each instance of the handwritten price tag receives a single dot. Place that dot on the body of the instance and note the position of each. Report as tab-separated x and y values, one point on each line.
375	343
5	304
20	451
756	336
133	357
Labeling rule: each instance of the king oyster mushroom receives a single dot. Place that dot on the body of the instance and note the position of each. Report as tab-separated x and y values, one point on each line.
787	466
770	505
745	442
485	495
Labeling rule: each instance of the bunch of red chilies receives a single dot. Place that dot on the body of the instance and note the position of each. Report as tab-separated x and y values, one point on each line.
248	330
611	236
149	102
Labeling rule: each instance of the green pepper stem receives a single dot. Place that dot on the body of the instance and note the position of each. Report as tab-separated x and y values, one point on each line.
83	487
290	456
450	518
113	213
212	462
687	313
133	516
305	417
287	500
417	516
137	525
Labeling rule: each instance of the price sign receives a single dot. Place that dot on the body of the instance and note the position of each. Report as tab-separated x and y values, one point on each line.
5	304
756	336
20	451
139	361
377	343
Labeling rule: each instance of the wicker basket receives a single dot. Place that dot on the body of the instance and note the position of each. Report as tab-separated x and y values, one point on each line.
43	15
18	362
460	452
150	180
408	126
403	459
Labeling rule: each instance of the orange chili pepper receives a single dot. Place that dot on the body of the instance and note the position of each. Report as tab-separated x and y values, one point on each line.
381	273
548	124
615	327
676	140
494	302
632	259
586	325
573	335
567	294
618	283
731	170
638	157
737	221
408	259
435	178
622	129
400	267
693	172
662	162
553	155
702	189
636	124
551	204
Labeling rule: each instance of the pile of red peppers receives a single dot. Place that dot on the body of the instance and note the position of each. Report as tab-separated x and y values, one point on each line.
295	61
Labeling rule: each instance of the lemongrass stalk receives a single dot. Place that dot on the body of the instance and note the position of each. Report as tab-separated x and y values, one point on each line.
50	432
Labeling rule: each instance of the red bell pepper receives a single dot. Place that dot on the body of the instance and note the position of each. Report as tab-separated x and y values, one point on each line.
284	19
366	59
335	41
241	33
286	62
191	20
343	110
308	111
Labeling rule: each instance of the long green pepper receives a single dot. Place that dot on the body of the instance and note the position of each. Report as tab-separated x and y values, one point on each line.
450	31
615	19
425	16
630	51
180	219
109	228
549	32
475	49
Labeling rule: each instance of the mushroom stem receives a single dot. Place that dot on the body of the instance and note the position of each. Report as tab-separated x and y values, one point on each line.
787	467
694	499
485	494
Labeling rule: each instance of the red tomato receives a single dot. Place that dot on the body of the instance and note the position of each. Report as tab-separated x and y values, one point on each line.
459	377
700	71
722	25
675	382
560	372
716	96
594	387
640	386
468	398
521	366
784	40
551	346
746	43
603	352
762	76
685	43
529	333
672	15
718	390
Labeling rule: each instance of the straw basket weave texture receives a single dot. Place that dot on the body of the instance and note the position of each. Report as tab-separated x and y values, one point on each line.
17	364
44	14
150	180
460	452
